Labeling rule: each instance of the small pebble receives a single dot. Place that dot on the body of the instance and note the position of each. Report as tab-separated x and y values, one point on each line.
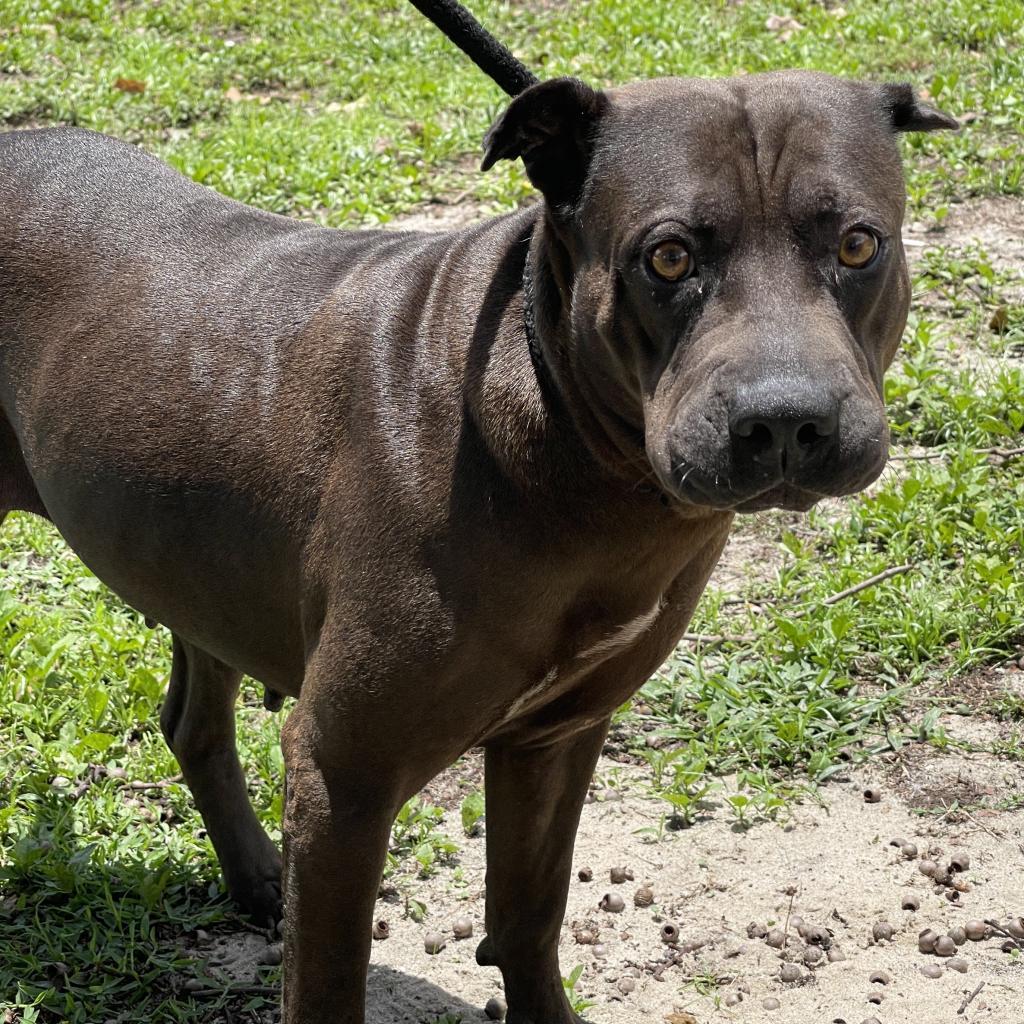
797	922
733	999
1015	926
835	955
931	970
620	875
771	1003
585	874
462	928
495	1008
600	950
909	851
958	935
958	964
756	931
813	955
944	946
585	937
194	985
273	955
626	985
789	972
433	942
776	938
882	931
976	930
927	867
926	940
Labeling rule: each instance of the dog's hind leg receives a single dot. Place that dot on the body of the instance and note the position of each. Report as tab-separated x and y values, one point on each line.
17	491
198	722
534	797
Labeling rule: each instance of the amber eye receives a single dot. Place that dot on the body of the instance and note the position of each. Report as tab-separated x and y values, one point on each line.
671	261
858	248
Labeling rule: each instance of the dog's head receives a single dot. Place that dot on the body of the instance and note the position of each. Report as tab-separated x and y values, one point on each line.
727	273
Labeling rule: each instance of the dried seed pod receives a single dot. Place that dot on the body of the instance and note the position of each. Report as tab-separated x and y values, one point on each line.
977	930
600	951
958	964
813	956
669	933
959	862
433	942
931	970
1008	946
953	895
927	867
620	875
882	931
733	999
771	1003
496	1008
872	795
627	985
876	998
835	955
797	922
585	937
899	841
462	928
926	940
910	903
1015	926
817	936
756	931
789	972
960	884
871	1020
585	874
909	851
381	929
643	897
613	903
941	876
958	935
776	938
879	978
944	946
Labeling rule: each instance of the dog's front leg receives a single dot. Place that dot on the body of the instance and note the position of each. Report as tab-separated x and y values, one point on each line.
339	806
534	798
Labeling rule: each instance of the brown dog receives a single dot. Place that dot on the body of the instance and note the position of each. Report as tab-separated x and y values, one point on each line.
448	490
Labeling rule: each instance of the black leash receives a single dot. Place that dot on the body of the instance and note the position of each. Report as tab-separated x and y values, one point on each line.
491	57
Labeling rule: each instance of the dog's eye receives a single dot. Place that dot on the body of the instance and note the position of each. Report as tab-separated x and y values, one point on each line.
857	248
671	261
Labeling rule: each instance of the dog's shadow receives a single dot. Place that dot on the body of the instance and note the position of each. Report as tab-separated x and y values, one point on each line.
394	997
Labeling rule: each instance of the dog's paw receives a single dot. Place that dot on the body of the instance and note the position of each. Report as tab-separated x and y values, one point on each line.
260	898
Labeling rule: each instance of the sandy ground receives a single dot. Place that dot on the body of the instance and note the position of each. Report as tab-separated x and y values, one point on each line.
829	861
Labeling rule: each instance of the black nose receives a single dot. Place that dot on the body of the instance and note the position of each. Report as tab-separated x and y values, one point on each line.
781	424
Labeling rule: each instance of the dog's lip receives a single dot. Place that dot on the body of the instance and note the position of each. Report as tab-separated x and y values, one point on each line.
693	488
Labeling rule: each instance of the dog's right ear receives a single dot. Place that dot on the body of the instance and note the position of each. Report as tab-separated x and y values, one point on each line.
552	127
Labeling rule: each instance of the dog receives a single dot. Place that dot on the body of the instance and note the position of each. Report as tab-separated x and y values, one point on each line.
448	490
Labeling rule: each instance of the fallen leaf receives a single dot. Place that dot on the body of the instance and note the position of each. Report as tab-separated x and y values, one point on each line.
130	85
1000	319
681	1017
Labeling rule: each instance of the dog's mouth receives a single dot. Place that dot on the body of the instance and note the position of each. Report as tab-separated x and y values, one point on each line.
694	488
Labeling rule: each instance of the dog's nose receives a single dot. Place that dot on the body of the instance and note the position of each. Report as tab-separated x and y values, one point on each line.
780	424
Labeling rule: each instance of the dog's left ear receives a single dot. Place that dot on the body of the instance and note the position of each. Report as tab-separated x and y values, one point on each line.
908	113
551	126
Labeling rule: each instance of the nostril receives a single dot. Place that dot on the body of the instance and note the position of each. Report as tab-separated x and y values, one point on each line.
807	435
760	439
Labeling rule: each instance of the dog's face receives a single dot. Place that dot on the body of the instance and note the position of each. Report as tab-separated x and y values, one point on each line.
731	272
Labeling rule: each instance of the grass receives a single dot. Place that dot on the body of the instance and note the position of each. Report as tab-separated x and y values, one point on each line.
353	115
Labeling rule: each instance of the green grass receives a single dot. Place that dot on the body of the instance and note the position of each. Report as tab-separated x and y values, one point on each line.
354	113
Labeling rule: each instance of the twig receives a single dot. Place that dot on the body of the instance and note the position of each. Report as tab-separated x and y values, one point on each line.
998	453
1000	930
270	934
789	911
969	999
894	570
236	990
713	639
162	784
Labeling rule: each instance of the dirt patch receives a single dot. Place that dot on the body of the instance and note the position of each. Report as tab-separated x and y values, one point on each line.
460	213
830	864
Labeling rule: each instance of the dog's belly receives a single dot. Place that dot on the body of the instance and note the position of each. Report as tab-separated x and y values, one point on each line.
201	560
